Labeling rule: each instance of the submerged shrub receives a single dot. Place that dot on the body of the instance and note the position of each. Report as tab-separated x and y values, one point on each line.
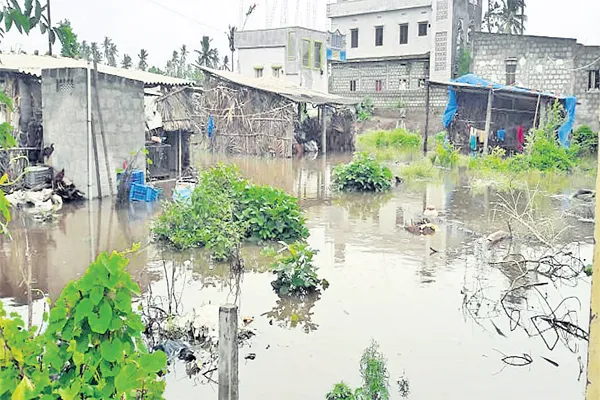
363	174
92	347
295	271
586	140
547	154
445	155
397	138
422	169
341	391
224	210
271	214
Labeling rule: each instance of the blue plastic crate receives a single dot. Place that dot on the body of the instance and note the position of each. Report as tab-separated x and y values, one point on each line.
138	192
152	194
137	176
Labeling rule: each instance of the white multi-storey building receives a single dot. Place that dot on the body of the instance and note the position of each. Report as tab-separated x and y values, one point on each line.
394	46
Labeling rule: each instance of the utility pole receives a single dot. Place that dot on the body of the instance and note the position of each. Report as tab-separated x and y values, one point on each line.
49	30
593	370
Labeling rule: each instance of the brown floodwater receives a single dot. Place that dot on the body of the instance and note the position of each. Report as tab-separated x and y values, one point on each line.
435	314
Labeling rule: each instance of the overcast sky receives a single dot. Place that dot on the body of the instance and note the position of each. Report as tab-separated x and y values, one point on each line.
161	26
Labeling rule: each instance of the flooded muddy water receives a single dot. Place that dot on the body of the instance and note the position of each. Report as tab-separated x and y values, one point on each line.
432	302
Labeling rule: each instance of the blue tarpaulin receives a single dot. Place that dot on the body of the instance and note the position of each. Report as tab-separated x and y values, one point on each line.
478	82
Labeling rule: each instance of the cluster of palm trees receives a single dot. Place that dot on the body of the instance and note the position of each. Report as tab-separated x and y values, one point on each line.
506	16
178	66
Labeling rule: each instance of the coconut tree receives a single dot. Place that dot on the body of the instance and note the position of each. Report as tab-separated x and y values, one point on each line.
110	51
173	64
126	62
182	67
143	59
85	51
506	16
96	54
231	38
225	65
207	56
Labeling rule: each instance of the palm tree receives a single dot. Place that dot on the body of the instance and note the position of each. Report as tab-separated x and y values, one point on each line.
110	51
95	53
143	60
225	65
207	56
126	63
173	64
182	68
506	16
85	51
231	38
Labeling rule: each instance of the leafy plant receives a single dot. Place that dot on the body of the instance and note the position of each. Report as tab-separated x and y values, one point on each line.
373	370
92	347
586	140
445	155
363	174
271	214
68	40
225	209
341	391
464	62
397	138
295	271
365	109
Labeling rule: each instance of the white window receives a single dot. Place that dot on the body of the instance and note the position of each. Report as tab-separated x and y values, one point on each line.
306	53
594	79
258	72
276	71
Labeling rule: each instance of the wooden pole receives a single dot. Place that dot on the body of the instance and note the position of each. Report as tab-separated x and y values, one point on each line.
180	150
228	353
50	32
593	370
323	130
95	147
101	123
427	108
488	121
537	110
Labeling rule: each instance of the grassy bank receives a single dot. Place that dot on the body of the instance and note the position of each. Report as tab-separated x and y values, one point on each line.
390	145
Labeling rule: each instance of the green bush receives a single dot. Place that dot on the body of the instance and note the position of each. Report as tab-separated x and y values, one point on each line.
365	109
271	214
397	138
295	271
445	155
92	347
547	155
440	137
363	174
341	391
586	140
225	209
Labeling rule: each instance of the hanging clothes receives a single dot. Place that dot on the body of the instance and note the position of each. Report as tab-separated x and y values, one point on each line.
520	137
210	127
501	135
473	138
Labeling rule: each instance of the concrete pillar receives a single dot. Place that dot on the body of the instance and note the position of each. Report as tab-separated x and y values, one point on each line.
488	121
228	353
323	130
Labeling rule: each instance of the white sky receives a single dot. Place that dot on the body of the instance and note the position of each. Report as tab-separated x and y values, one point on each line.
161	26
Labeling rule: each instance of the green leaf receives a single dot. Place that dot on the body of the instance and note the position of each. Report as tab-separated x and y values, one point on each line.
71	392
116	324
4	207
23	390
154	362
78	358
83	310
123	300
99	323
109	370
96	295
43	28
126	379
112	351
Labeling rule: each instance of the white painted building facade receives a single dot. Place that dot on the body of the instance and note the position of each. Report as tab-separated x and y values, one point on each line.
394	46
294	54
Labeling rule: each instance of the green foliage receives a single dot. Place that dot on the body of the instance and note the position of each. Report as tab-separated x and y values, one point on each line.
399	104
586	140
341	391
295	271
445	155
365	109
363	174
422	169
397	138
271	214
225	209
440	137
373	369
68	40
92	347
464	62
545	154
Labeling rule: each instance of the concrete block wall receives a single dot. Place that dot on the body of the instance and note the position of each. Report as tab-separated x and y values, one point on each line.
557	65
64	102
394	74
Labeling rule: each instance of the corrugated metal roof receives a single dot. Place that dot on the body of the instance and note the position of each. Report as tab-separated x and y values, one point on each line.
33	65
280	87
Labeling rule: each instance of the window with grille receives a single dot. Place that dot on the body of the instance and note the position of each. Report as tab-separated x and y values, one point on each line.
258	72
379	36
511	71
318	52
404	34
354	38
353	85
306	53
594	79
423	27
378	85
